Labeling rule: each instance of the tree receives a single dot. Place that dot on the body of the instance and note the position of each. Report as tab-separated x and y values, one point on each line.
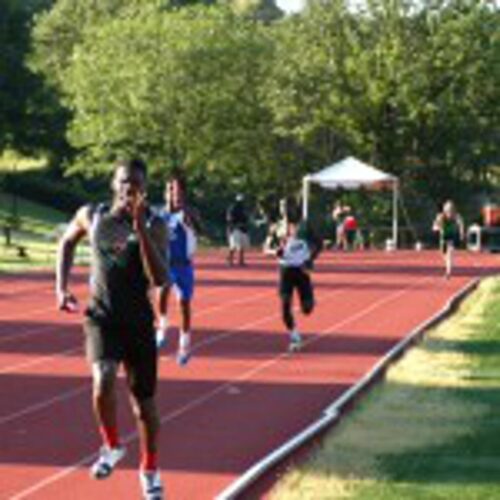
181	87
29	114
408	85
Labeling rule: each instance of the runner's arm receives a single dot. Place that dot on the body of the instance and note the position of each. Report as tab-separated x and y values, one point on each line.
272	243
438	223
153	244
461	227
75	232
193	219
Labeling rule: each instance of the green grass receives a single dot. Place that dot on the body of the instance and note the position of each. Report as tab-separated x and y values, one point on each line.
10	161
430	431
35	217
37	232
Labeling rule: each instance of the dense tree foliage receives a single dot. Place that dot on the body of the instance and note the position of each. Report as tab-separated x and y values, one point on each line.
234	93
31	117
407	85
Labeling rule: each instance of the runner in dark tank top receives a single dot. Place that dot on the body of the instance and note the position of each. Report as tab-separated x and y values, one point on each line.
128	258
119	286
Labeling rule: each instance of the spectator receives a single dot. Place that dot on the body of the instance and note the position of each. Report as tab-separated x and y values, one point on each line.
350	229
237	228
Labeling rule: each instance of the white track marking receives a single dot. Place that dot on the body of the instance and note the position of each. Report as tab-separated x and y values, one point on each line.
209	395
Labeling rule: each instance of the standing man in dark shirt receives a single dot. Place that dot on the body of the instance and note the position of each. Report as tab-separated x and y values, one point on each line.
128	257
237	228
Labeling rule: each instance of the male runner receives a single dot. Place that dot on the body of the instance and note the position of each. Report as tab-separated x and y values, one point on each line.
182	224
296	247
127	243
450	226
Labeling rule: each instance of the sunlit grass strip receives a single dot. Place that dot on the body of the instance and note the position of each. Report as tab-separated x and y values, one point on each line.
412	437
38	255
10	161
37	234
32	216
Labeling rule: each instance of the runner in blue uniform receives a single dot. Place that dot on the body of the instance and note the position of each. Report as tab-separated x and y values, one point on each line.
181	222
127	242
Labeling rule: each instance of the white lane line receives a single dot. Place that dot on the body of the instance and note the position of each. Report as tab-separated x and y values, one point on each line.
28	410
218	338
209	395
28	314
332	412
39	360
45	329
203	312
212	340
29	332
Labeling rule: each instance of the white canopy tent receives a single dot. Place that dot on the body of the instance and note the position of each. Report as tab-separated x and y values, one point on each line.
351	173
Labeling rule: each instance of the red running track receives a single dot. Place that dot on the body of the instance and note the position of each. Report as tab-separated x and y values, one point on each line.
240	397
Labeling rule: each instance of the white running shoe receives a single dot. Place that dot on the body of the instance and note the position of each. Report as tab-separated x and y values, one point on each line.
183	356
151	485
295	342
162	332
161	338
106	462
184	352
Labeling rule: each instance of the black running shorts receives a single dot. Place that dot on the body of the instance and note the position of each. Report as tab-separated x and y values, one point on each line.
135	347
452	240
292	278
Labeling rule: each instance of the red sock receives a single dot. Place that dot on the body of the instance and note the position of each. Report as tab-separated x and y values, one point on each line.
149	460
110	436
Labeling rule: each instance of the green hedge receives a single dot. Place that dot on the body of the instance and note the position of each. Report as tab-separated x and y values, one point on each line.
42	187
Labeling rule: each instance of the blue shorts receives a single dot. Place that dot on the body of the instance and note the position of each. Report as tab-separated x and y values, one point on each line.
182	279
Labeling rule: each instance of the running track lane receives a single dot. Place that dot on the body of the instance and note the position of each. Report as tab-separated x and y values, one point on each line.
241	396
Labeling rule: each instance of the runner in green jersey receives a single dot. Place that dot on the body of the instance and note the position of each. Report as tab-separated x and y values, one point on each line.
296	246
450	226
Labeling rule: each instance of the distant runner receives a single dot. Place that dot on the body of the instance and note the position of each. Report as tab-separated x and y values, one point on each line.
450	226
182	224
296	247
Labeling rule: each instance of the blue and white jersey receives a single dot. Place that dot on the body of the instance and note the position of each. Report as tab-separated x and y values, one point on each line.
182	240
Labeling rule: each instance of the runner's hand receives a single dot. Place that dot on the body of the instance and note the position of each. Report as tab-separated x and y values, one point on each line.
139	211
188	218
66	301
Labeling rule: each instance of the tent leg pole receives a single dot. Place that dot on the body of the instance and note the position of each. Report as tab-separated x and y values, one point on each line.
305	198
395	214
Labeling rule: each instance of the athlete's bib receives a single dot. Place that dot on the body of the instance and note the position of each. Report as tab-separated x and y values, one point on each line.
295	253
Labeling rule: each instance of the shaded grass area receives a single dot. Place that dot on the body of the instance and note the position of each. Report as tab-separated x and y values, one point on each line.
33	234
430	431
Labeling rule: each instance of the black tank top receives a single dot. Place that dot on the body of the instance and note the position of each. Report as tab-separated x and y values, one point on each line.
118	284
